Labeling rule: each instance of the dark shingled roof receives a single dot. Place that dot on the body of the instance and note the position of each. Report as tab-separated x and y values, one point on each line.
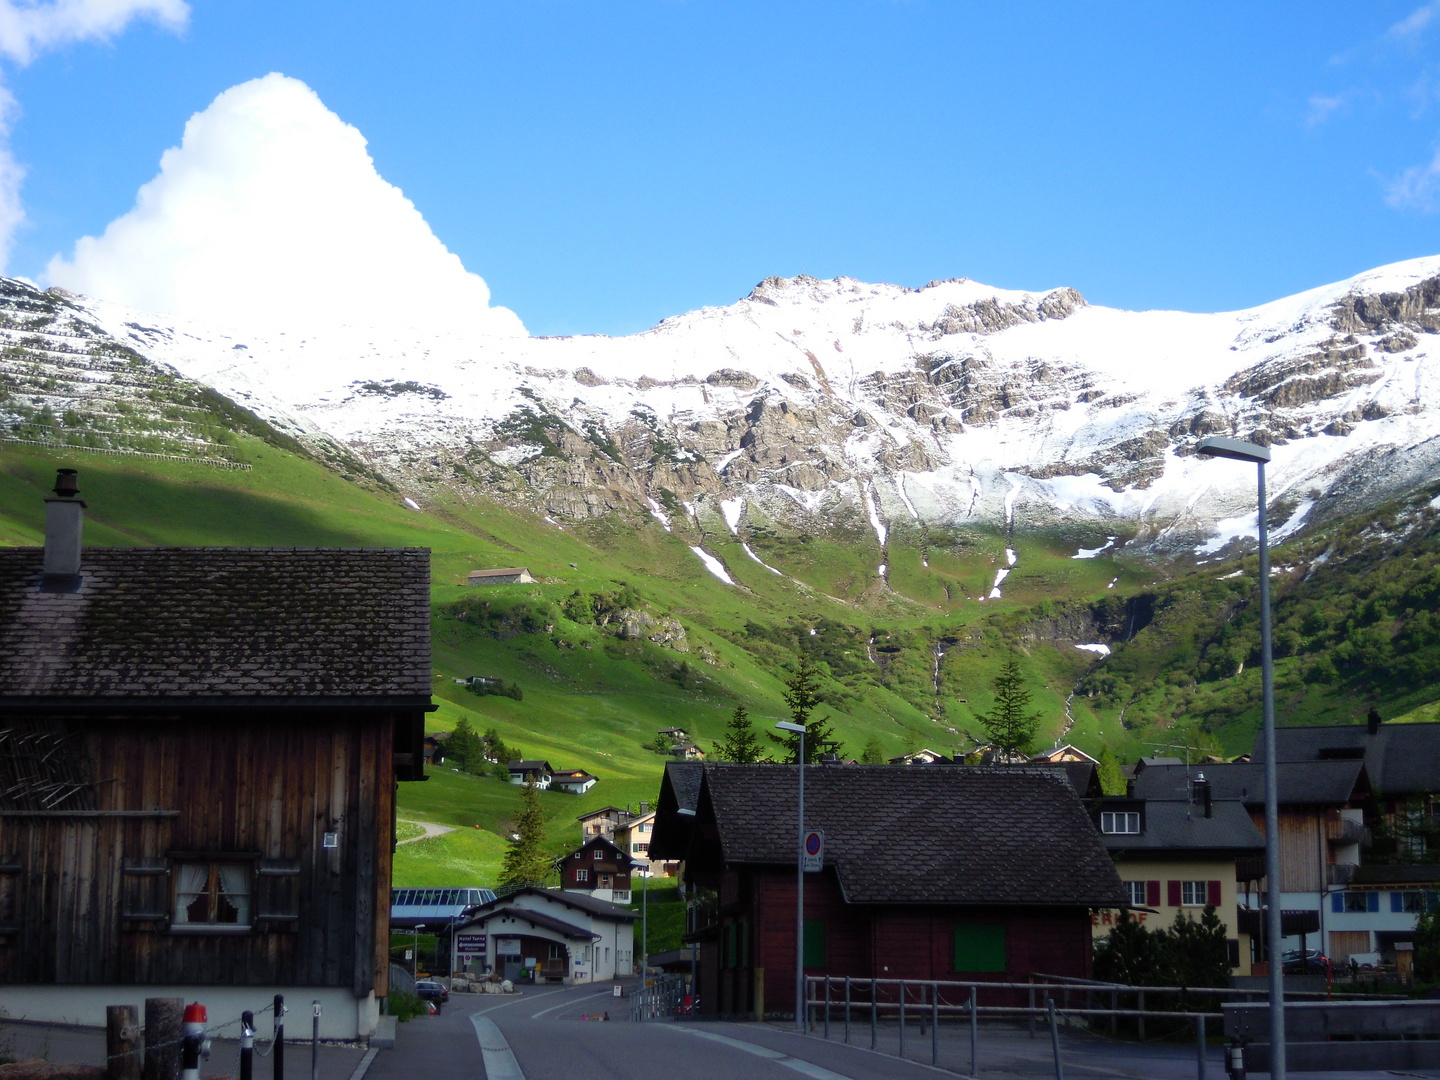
1174	825
535	918
684	778
1401	759
1315	783
577	900
958	835
219	623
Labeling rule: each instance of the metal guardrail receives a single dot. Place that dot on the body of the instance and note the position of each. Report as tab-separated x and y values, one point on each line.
849	1003
660	997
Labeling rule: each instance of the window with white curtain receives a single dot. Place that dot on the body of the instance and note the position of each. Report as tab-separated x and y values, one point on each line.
212	894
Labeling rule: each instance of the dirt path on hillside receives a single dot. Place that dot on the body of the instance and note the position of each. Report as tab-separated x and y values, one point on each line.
431	830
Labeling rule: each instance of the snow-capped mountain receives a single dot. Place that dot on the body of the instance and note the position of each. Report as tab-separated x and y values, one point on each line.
811	400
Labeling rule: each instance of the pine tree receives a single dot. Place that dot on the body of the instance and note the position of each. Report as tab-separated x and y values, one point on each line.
1010	729
1112	778
526	862
465	747
873	754
741	745
802	694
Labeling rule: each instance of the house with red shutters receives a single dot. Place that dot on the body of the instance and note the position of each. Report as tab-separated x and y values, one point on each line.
955	872
1177	856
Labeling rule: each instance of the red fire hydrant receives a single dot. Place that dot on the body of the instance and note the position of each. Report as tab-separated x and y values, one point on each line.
195	1045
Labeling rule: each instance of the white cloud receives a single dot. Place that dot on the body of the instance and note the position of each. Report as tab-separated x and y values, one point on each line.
27	29
271	211
1415	22
1417	188
1322	106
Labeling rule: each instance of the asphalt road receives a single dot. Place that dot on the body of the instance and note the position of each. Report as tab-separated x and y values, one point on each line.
542	1036
551	1034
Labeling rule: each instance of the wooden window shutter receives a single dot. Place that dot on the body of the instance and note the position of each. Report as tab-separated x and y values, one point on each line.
145	894
1214	891
277	895
1152	893
1372	902
1337	902
1172	893
814	942
1397	902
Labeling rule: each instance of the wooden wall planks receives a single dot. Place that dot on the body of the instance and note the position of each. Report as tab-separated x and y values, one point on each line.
264	782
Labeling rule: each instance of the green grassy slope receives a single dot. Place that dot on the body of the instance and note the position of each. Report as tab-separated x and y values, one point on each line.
909	662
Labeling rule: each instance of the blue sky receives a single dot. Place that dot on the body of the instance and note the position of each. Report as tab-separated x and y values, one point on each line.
603	166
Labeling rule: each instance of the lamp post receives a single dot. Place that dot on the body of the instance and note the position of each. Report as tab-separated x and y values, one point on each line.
644	923
1259	455
415	961
798	730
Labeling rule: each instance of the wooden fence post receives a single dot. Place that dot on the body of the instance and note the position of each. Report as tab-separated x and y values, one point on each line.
163	1032
122	1042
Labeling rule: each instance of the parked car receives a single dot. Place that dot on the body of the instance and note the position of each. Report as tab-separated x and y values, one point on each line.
432	991
1292	963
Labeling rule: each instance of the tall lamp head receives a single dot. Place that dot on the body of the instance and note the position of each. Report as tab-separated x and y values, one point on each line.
1218	446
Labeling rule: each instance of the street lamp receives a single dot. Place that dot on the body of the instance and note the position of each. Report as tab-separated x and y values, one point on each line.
644	923
415	961
1259	455
798	730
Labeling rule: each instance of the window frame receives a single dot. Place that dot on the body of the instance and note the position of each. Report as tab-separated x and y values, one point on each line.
1202	888
1110	819
1140	889
582	875
212	863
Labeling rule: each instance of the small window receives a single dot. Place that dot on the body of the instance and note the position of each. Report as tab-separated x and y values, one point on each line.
1137	893
557	951
1412	903
1355	901
1194	893
1118	822
980	947
582	875
643	848
212	894
599	854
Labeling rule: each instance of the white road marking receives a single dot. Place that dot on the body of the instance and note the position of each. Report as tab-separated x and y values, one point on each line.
363	1067
815	1072
500	1063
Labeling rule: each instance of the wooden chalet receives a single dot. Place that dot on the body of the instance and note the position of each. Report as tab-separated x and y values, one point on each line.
198	758
958	872
597	867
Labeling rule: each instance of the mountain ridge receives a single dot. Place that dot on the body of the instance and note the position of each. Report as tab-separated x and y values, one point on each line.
816	402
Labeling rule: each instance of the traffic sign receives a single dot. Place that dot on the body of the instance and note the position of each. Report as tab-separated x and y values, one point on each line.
470	944
814	852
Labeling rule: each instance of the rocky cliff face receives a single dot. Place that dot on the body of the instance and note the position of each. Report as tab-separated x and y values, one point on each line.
811	403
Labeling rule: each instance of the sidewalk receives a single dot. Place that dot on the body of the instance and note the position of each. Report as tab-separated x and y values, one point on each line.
23	1040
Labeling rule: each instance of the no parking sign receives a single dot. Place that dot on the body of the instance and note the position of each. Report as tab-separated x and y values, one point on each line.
814	850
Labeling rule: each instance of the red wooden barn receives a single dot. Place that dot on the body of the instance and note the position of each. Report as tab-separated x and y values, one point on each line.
951	873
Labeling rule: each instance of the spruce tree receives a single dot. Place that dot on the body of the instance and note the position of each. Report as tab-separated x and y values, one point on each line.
465	747
873	754
802	694
526	862
1010	729
741	745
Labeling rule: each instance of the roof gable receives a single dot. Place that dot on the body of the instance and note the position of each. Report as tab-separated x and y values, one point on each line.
1401	759
219	623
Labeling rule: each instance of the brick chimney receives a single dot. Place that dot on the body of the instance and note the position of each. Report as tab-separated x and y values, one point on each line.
64	516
